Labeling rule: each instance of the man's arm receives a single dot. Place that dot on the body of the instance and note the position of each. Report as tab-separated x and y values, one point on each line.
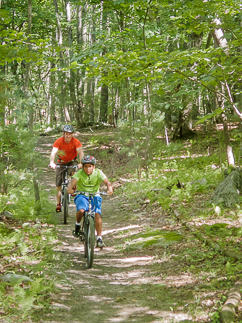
81	155
71	187
52	157
109	186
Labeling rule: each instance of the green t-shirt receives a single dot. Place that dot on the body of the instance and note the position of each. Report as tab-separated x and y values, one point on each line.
89	183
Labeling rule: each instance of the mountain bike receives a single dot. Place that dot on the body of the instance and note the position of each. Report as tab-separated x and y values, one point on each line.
87	230
65	197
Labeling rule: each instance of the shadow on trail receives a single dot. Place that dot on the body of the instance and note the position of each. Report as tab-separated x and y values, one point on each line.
123	286
119	287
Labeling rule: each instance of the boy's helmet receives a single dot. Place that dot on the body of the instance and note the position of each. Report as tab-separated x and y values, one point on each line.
88	160
68	128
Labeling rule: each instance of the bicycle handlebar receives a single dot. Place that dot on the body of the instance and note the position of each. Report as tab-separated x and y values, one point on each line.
65	167
90	194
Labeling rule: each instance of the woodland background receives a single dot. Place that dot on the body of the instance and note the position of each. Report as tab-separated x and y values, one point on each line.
164	76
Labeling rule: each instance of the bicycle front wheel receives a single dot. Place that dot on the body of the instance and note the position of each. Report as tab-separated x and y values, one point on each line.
65	205
89	243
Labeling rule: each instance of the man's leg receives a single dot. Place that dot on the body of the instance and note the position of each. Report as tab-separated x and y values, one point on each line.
58	182
58	198
58	194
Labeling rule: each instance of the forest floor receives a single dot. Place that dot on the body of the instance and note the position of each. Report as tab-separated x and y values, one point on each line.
159	283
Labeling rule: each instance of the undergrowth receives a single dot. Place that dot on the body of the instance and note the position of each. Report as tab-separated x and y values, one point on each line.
27	238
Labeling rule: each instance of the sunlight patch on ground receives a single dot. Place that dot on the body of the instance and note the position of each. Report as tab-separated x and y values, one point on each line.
168	317
120	229
64	287
137	259
78	248
127	312
128	275
125	262
149	280
180	280
98	298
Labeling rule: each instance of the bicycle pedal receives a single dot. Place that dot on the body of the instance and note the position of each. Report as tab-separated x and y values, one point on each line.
81	236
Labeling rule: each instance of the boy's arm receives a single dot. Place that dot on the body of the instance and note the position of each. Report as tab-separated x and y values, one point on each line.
109	186
71	187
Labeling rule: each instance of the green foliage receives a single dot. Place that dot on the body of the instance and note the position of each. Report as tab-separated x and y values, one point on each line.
152	238
173	163
27	251
20	200
26	247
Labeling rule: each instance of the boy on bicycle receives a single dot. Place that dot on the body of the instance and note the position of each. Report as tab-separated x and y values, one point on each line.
88	179
68	148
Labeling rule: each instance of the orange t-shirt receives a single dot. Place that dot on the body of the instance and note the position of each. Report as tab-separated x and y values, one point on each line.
67	152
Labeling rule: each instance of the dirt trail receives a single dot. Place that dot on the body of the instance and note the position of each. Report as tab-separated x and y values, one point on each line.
138	286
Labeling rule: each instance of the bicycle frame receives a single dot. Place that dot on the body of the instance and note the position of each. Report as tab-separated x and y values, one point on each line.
65	197
87	232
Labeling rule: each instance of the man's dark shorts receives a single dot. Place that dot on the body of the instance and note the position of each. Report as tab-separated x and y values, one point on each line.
60	173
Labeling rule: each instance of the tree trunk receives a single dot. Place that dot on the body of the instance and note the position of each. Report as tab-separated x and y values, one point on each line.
183	127
61	75
229	149
104	103
104	88
81	37
72	74
116	107
31	114
90	94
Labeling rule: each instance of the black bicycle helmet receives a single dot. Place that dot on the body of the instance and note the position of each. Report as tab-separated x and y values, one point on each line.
88	160
68	128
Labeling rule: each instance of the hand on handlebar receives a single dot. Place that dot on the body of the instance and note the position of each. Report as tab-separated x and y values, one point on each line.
79	166
52	165
71	191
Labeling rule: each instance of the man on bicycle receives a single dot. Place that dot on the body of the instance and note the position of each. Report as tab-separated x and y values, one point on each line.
68	148
88	179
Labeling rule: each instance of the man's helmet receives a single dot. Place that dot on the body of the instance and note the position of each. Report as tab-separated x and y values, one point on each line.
68	128
88	160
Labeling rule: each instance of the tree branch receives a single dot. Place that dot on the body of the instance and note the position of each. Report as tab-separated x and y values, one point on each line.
214	91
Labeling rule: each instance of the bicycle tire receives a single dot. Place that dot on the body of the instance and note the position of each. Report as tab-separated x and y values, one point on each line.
89	243
65	205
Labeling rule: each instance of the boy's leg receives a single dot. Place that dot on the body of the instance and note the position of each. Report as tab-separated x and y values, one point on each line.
98	224
98	220
81	205
79	215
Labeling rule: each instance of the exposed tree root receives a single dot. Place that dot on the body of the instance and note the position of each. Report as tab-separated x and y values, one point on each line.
228	309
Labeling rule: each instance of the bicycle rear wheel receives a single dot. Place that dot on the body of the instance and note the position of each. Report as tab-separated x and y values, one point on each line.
89	243
65	205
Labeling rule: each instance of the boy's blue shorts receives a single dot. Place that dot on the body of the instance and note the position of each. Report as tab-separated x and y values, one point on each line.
81	202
